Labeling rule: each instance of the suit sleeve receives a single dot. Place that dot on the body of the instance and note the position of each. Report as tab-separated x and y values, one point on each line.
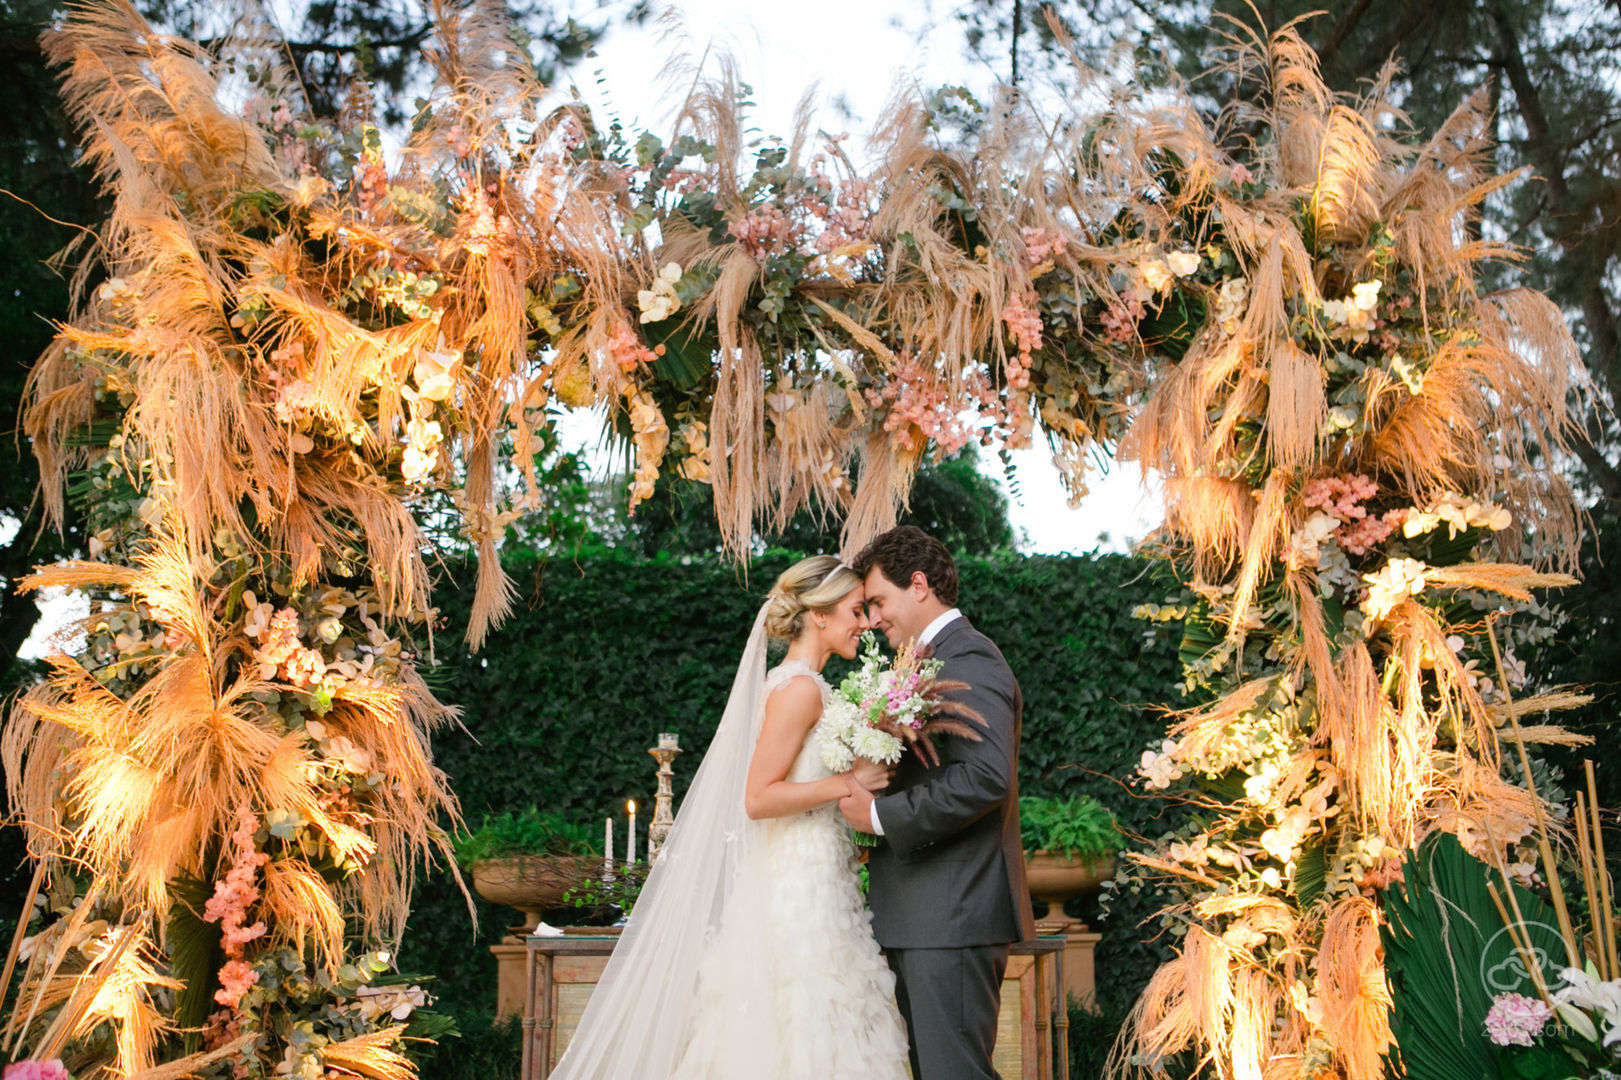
980	775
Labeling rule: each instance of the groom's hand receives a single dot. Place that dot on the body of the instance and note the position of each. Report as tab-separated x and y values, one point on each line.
857	809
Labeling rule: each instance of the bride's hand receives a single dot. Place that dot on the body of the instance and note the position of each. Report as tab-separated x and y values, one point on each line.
872	775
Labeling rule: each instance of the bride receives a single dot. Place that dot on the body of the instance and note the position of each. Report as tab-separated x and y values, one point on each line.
749	953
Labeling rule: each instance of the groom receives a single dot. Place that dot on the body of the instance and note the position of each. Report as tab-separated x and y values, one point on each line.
947	880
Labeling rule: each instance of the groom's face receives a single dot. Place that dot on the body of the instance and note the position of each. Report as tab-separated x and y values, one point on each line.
896	610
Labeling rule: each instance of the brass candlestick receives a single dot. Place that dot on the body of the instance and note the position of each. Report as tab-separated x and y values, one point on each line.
664	802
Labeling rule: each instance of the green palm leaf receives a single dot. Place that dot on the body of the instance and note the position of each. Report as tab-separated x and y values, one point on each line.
1447	954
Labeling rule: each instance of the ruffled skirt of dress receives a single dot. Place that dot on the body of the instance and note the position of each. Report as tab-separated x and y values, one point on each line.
793	985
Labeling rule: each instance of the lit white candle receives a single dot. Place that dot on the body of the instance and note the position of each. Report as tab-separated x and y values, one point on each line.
608	846
630	841
667	741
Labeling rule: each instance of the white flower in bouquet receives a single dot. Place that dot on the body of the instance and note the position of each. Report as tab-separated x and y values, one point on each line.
879	709
876	745
833	735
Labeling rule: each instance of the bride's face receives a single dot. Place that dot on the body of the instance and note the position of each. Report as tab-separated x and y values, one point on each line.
845	622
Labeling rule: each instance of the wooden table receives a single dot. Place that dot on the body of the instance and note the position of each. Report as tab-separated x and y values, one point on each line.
1042	1001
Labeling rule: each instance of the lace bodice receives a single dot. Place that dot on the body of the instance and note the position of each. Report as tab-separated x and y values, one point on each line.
808	764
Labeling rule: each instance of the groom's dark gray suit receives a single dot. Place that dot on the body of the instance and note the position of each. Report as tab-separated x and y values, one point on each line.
946	883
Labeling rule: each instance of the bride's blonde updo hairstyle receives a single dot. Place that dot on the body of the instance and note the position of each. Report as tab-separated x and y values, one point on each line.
813	584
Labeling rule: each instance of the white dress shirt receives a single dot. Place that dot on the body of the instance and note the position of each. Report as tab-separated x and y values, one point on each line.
930	632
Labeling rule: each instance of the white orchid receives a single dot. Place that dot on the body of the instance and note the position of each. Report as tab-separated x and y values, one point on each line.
1458	514
397	1002
1305	545
1584	992
1355	313
1399	579
1160	769
1156	275
1231	299
1182	263
660	302
435	371
417	464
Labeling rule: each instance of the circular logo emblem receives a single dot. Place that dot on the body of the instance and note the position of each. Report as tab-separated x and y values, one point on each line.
1501	968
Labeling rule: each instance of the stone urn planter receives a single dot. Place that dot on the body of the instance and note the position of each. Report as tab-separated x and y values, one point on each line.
1054	877
532	883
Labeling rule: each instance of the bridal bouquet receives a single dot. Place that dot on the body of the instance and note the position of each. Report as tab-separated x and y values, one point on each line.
882	708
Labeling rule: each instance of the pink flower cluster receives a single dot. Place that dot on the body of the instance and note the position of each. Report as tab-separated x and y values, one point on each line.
1362	536
459	143
1516	1020
229	907
1120	319
293	398
845	221
1024	323
901	693
281	650
1341	497
293	395
1040	245
627	349
37	1070
571	133
916	401
682	181
371	183
765	230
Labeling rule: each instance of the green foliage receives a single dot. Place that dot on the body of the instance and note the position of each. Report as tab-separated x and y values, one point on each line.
195	955
1092	1032
529	831
606	651
483	1048
597	899
1080	827
951	500
44	192
1447	954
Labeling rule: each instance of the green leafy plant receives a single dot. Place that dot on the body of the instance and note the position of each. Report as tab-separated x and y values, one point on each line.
525	832
616	894
1080	827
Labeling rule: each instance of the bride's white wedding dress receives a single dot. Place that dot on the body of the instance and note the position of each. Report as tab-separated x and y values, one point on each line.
815	995
749	955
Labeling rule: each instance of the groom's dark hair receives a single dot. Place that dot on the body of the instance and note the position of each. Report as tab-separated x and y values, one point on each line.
905	550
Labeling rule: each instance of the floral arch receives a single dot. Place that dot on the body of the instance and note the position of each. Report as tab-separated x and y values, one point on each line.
299	354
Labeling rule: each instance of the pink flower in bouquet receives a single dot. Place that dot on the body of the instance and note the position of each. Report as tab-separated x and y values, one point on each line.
37	1070
1516	1020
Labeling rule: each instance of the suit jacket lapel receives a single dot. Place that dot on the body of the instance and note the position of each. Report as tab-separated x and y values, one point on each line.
947	633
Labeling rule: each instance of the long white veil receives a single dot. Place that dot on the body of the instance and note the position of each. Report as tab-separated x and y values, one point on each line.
638	1016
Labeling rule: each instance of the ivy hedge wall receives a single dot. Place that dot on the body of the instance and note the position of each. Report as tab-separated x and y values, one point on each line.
604	652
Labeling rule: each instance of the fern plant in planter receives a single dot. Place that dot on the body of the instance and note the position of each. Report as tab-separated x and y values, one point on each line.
529	860
1069	846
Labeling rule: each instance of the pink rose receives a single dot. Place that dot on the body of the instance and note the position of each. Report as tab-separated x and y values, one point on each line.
37	1070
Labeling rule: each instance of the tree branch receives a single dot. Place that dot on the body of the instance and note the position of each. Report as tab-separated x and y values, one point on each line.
1336	36
1599	469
